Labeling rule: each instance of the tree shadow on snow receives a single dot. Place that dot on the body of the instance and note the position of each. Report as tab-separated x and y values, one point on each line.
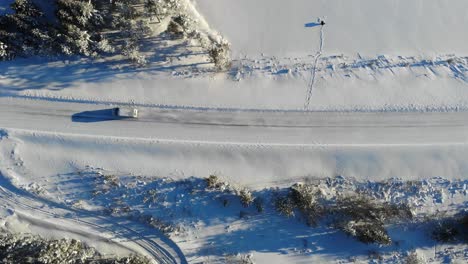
58	73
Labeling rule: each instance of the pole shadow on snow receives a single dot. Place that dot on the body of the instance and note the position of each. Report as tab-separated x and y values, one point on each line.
100	115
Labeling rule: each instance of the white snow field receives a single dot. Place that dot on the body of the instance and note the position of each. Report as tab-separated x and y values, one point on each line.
369	56
365	27
377	96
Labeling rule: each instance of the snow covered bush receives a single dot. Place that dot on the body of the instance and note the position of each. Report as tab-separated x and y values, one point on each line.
306	198
104	46
364	218
159	9
413	258
367	232
3	51
156	223
219	54
16	249
284	205
246	197
238	259
212	181
361	207
131	51
179	26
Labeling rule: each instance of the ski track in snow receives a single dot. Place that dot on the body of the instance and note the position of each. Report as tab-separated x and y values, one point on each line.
314	71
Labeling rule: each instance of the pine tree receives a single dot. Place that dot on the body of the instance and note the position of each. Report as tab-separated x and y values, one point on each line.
26	8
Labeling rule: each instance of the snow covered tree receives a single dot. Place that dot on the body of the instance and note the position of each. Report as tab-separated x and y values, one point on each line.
76	25
26	8
74	12
131	51
153	9
103	45
26	31
3	51
76	40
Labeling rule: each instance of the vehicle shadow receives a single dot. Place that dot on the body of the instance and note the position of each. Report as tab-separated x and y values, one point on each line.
93	116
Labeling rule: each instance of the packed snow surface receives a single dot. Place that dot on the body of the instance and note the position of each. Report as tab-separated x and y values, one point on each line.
366	27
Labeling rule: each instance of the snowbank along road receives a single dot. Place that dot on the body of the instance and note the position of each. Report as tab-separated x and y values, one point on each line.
252	147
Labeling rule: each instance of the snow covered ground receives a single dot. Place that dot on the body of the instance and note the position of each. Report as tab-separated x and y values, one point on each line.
410	57
365	27
385	85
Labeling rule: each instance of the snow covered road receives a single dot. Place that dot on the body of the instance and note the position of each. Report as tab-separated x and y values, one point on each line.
240	127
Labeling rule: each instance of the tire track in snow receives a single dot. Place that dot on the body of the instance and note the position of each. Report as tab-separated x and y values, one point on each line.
159	253
310	86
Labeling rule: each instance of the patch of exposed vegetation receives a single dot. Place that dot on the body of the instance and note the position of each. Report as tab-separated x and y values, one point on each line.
359	216
364	218
244	194
33	249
